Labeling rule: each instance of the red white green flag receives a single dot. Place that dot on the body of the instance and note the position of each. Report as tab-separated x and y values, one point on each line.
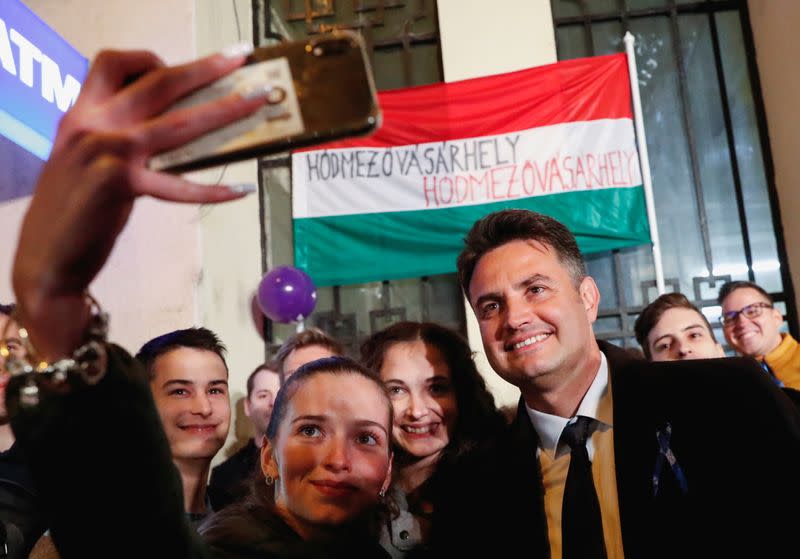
557	139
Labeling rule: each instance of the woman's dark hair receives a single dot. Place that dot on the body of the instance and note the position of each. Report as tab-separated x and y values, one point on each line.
260	502
478	421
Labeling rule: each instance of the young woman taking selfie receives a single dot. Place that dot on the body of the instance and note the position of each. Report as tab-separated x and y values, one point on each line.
87	421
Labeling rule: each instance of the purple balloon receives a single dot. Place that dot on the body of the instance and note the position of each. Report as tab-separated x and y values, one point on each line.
286	294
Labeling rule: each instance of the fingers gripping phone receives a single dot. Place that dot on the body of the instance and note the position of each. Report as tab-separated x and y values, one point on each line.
319	90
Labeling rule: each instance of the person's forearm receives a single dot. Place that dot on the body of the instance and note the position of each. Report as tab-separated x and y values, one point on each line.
56	324
102	464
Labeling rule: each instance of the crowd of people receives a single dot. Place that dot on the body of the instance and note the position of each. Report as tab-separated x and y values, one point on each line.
402	452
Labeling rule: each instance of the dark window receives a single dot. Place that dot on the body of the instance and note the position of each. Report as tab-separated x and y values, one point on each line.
403	43
706	135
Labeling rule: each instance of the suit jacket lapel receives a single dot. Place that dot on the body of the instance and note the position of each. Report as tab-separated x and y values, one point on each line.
636	419
635	448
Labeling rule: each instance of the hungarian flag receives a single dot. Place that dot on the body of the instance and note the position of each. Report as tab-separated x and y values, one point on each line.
557	139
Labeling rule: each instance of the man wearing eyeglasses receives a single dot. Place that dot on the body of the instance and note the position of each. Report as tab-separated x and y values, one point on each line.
752	327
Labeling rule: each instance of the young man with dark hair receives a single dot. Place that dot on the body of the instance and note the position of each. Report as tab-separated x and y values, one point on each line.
609	455
189	381
309	345
671	328
751	324
229	480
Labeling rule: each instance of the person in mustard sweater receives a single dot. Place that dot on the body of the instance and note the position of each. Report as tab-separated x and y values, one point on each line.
751	324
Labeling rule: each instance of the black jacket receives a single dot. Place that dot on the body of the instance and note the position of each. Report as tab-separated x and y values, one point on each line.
105	475
229	481
734	433
22	517
253	531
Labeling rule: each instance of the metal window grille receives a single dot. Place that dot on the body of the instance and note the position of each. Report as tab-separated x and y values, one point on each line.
713	176
402	40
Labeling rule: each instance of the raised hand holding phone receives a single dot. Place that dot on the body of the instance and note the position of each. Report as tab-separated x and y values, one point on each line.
132	107
97	169
318	90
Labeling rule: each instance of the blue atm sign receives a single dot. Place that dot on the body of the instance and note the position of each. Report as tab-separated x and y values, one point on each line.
40	78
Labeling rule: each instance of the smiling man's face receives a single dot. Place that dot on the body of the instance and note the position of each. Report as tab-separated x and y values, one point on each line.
753	337
535	322
190	389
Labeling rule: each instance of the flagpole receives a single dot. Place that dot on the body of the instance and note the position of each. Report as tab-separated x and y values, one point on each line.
644	160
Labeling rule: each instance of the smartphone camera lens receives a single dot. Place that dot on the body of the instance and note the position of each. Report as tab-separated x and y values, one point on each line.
276	95
328	47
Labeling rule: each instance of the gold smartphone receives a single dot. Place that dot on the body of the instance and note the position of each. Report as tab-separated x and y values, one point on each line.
318	90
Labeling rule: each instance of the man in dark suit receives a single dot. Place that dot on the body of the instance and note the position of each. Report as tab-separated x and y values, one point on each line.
230	481
690	458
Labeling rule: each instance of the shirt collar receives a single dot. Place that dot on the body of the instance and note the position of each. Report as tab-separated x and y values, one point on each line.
549	427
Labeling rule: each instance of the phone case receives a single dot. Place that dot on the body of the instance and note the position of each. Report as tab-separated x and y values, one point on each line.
321	90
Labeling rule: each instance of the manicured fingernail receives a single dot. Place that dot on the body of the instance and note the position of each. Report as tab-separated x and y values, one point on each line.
239	49
242	188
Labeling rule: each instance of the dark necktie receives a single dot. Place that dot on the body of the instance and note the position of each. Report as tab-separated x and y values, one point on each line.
581	524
